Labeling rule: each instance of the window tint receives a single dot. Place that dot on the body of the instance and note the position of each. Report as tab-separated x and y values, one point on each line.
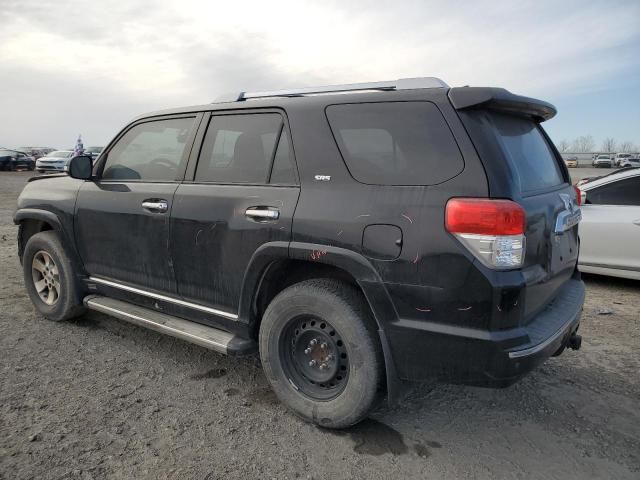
238	148
622	192
528	152
395	143
149	151
283	171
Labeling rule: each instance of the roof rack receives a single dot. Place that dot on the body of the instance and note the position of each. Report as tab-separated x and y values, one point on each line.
400	84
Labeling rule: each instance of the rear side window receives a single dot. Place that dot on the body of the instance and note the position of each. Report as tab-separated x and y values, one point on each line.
622	192
528	152
395	143
239	148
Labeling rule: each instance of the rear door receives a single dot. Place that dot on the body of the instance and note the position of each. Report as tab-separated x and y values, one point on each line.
523	165
122	217
610	229
241	195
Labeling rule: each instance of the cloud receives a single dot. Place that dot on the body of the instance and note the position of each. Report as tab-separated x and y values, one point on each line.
116	60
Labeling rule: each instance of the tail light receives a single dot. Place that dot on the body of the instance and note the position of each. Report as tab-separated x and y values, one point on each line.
492	230
580	195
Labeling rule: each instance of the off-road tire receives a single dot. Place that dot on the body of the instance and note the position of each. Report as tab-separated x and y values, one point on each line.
343	309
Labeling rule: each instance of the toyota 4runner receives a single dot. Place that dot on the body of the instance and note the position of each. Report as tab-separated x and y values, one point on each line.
355	235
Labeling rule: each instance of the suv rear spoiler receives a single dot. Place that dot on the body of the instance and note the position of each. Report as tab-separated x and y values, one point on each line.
467	98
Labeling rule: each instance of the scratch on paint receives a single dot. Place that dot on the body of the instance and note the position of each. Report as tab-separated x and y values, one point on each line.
316	254
465	309
415	260
364	215
407	217
340	233
423	309
198	236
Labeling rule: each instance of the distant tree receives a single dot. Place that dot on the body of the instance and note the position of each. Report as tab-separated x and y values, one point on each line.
584	144
626	147
609	145
563	146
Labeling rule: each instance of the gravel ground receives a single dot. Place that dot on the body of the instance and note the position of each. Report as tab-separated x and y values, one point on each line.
98	398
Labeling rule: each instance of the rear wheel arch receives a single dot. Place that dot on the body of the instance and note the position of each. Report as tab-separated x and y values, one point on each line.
278	265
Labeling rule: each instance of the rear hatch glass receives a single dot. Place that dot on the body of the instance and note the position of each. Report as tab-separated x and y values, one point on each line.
516	150
528	152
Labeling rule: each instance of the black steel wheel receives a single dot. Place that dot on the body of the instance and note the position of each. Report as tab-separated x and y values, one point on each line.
320	352
315	357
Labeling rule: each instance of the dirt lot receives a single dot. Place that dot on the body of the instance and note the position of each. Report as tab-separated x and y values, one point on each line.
97	398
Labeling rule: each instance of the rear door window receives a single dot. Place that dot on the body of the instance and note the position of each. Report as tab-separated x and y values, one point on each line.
284	170
395	143
528	152
239	148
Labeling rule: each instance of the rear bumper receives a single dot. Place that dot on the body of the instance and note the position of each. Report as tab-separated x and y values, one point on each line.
425	350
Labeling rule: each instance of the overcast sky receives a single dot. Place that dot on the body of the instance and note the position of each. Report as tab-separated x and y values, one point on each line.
72	66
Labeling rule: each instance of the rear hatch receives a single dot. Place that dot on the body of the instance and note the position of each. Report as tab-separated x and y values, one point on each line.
522	165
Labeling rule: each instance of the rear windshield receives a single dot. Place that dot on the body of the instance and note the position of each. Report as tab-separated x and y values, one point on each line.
528	152
395	143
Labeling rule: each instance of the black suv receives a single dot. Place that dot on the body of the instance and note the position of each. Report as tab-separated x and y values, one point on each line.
356	235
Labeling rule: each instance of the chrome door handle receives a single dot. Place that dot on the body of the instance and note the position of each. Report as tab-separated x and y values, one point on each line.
262	213
158	206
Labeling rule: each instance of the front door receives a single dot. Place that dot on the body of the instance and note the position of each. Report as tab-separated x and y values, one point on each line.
122	217
243	194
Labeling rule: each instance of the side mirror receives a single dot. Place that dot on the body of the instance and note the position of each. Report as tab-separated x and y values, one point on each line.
80	167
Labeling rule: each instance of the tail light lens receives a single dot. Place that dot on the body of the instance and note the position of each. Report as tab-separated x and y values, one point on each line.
492	230
580	195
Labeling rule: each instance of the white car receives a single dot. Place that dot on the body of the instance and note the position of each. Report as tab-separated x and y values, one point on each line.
610	227
602	161
55	161
630	162
620	157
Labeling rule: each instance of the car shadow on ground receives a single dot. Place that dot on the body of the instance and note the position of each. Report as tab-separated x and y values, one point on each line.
612	282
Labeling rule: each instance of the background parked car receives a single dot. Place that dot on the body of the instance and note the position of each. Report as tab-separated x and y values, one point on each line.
571	162
14	160
630	162
35	152
93	151
56	161
610	227
620	157
602	161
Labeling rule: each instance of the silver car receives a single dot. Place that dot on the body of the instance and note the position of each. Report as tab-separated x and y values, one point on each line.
602	161
610	227
55	161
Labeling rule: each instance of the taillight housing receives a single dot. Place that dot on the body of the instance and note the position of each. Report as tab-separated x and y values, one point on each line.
491	229
580	195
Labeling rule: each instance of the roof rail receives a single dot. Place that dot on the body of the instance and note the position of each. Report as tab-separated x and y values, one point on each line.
400	84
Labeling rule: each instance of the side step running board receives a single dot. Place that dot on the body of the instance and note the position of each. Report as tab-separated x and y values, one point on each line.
205	336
